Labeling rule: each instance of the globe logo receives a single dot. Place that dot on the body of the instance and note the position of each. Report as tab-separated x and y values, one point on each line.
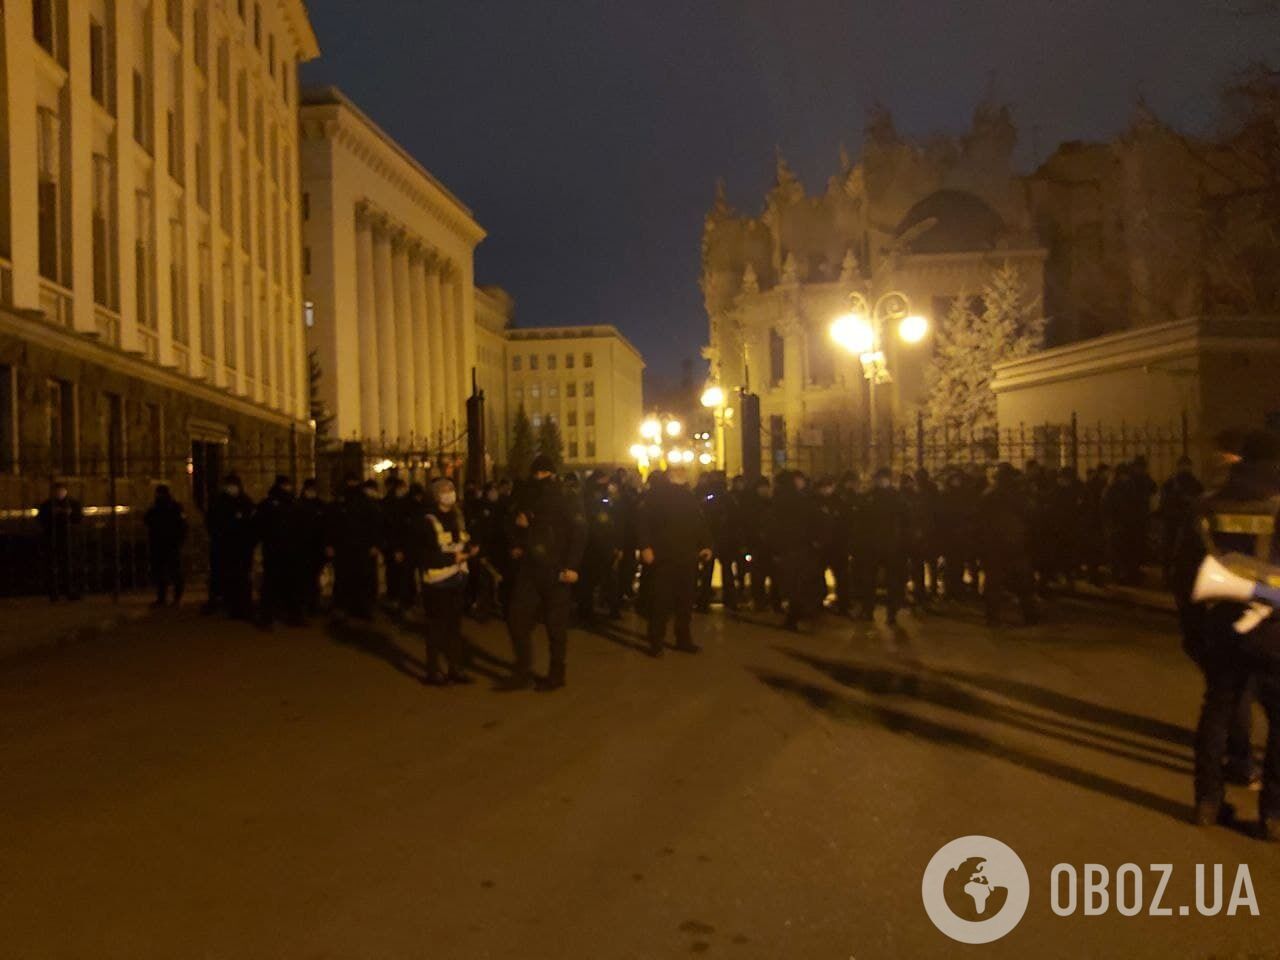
975	889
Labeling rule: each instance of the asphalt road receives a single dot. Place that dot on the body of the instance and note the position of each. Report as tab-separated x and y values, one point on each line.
191	788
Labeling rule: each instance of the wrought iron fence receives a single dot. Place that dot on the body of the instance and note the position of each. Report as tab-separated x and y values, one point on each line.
910	446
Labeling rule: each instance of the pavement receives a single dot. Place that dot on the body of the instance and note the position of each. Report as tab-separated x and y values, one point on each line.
185	787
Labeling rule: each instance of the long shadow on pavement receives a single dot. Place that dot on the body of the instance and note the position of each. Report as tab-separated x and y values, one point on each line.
881	682
368	639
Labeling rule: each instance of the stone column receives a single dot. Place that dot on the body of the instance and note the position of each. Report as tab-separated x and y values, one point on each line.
406	397
384	307
452	389
466	342
366	321
792	377
435	337
421	349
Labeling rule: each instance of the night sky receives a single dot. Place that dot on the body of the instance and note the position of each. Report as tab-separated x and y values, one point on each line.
586	135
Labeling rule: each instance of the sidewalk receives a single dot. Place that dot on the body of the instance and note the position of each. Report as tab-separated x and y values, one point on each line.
30	623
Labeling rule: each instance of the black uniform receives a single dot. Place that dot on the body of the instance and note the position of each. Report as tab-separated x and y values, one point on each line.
358	537
833	518
1004	528
757	527
166	532
400	584
281	597
548	528
311	524
60	520
883	531
599	574
671	524
231	539
716	512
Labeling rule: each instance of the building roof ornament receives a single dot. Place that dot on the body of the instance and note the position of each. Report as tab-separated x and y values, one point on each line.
850	269
790	270
750	282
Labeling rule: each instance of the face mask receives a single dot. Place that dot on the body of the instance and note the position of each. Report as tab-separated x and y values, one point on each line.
447	500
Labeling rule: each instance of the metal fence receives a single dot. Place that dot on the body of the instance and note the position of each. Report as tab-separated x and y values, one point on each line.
910	446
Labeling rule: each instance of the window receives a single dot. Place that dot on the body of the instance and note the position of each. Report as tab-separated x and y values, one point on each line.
551	361
777	357
176	277
533	361
113	440
47	193
224	71
515	362
586	360
571	389
200	37
98	61
535	391
173	16
228	310
61	416
589	388
591	448
257	25
568	361
553	391
42	26
536	420
143	269
103	278
141	111
8	419
572	418
778	441
590	417
573	449
309	314
306	206
271	55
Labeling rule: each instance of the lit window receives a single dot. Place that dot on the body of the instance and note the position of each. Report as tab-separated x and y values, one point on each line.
309	314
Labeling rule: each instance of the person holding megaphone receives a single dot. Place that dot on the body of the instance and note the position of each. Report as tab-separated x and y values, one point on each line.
1226	580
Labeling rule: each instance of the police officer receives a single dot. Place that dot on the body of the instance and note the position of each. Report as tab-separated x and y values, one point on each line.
1178	497
232	536
1240	517
673	537
60	518
757	529
166	532
548	529
398	572
834	528
885	529
1004	524
603	551
358	537
713	497
445	555
280	558
310	528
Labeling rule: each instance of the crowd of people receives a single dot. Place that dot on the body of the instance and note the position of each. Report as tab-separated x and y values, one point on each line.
550	548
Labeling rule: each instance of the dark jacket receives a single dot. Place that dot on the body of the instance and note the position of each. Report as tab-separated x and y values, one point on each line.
671	523
556	532
166	528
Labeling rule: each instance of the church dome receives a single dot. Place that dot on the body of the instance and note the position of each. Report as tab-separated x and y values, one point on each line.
950	221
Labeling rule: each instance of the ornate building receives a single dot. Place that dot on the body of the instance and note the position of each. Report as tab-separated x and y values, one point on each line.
927	220
388	255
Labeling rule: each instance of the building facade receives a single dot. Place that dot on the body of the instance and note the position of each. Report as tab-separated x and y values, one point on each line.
151	323
388	258
927	221
494	311
587	379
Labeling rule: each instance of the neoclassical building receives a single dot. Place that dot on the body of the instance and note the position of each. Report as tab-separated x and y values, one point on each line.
150	278
928	220
388	273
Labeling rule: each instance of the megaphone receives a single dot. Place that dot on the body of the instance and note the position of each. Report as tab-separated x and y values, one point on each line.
1215	582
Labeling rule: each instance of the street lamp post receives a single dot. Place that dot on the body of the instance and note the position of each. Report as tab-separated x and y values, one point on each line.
861	333
713	399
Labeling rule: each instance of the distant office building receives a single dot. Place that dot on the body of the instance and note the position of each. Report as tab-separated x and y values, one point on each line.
150	281
587	379
390	296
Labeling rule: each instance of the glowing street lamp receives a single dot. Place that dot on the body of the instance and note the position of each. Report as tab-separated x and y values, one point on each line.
674	427
651	429
713	396
860	332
